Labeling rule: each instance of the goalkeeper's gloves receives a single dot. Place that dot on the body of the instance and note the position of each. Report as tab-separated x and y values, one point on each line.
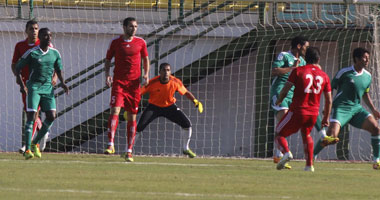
199	105
125	115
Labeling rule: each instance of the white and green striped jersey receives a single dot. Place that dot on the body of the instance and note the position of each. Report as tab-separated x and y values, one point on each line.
284	59
41	66
350	86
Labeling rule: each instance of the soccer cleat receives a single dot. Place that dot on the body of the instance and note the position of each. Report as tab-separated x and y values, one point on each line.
110	150
309	168
328	140
284	160
277	160
376	165
43	141
190	153
36	150
128	157
28	155
22	149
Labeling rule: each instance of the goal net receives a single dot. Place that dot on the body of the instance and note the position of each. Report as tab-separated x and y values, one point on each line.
222	51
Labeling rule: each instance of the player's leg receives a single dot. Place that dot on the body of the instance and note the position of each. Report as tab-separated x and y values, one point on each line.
174	114
288	125
113	121
340	116
150	113
307	141
48	106
131	105
277	153
370	124
33	100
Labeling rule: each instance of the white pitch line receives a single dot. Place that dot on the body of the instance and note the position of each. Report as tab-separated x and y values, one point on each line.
180	194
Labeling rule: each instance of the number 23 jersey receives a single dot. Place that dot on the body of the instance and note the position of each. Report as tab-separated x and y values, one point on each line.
310	82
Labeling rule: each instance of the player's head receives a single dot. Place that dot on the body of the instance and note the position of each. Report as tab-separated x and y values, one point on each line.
165	72
130	26
360	57
313	55
300	43
44	35
31	29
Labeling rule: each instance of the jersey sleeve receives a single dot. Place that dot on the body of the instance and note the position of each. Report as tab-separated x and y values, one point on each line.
279	62
58	63
16	54
23	61
111	50
144	89
335	81
180	87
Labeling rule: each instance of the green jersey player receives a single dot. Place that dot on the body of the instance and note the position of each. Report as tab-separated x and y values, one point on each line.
43	61
352	84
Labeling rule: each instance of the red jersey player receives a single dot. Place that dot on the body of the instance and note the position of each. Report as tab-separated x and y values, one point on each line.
309	82
31	29
128	51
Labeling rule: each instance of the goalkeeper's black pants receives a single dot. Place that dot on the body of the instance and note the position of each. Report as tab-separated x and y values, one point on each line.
173	113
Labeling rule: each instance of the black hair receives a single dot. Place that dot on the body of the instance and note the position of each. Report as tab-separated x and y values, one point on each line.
127	20
42	30
312	55
359	53
30	23
299	40
164	65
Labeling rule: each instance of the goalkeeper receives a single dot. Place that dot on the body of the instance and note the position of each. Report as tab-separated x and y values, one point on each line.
161	91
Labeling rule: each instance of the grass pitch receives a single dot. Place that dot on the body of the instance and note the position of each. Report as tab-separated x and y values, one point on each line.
90	176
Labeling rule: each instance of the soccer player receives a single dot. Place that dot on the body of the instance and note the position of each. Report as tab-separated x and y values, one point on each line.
31	29
43	61
161	91
309	81
352	84
128	51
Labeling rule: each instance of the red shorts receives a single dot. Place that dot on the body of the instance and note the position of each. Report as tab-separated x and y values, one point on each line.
292	122
126	94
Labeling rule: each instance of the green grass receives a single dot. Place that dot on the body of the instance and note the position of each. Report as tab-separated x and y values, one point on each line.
83	176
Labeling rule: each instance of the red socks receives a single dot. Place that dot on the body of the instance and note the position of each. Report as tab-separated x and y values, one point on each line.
113	121
131	134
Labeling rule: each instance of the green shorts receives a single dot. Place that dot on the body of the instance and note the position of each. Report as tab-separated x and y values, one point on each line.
285	104
35	99
354	115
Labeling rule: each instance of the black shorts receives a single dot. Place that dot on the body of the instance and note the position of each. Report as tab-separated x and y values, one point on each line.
173	113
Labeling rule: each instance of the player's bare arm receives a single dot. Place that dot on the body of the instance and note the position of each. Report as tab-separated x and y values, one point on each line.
327	109
284	92
63	84
107	66
54	79
146	64
281	71
23	88
368	101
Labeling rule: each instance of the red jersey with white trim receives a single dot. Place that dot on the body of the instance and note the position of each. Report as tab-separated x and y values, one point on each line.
162	94
127	57
20	48
310	82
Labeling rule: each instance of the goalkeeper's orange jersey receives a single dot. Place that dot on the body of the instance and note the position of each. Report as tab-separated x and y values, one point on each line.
162	95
